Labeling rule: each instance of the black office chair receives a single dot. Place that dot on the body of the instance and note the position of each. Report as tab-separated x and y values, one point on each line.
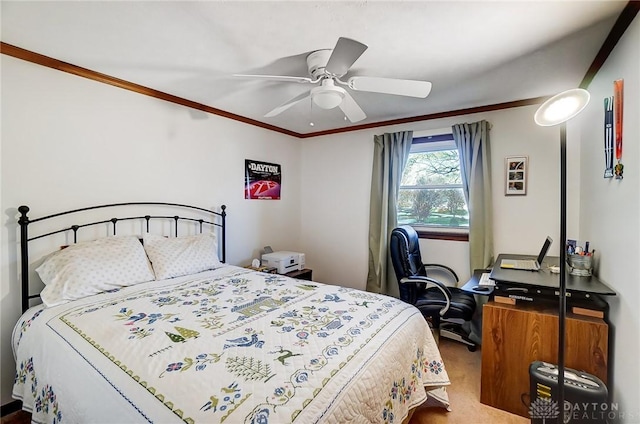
435	300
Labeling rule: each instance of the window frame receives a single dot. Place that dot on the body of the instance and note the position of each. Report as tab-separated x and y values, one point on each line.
431	142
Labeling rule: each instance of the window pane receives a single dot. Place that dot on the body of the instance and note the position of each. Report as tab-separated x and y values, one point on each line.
431	189
430	168
433	207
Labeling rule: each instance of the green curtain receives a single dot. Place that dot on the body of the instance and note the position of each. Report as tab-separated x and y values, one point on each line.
389	158
472	141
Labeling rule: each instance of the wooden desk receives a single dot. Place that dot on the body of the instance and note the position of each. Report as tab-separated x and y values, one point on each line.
545	282
513	336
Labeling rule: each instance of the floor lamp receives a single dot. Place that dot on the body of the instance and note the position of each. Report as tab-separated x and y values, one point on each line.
557	111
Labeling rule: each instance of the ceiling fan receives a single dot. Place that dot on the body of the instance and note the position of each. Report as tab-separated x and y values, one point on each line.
327	66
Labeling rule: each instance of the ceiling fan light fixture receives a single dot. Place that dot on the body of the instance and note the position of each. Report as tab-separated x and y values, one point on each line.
327	96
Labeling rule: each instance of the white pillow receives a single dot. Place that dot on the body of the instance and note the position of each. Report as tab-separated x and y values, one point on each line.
89	268
177	256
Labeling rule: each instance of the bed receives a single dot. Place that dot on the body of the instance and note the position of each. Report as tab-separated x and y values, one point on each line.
165	331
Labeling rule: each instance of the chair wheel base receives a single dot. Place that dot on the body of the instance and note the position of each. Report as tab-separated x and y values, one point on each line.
456	333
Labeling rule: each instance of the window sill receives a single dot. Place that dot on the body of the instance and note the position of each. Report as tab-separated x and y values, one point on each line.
426	233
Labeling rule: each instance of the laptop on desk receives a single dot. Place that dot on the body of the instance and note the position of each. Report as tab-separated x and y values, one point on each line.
528	264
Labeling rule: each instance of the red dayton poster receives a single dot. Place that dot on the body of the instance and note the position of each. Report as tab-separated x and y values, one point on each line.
261	180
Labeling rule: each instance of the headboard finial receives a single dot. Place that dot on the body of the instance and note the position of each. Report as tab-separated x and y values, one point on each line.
23	214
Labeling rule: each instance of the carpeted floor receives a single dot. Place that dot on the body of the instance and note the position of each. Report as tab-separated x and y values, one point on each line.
463	368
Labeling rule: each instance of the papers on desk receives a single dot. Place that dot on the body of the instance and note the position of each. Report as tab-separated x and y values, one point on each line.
485	281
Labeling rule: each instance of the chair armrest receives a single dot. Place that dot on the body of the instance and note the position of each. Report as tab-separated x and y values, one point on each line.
438	284
443	267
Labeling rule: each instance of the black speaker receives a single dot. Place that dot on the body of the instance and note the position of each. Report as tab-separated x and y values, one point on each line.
585	396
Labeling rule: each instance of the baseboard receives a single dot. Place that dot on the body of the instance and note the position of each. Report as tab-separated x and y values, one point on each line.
10	407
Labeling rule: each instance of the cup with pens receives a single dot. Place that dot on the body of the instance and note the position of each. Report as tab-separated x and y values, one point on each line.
579	258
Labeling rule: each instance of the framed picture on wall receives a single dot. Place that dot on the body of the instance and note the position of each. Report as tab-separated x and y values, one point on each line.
515	175
262	180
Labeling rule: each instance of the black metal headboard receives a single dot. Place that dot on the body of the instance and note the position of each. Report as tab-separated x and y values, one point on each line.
25	221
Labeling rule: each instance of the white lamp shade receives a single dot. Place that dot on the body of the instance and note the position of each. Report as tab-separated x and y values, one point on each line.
562	107
327	99
327	96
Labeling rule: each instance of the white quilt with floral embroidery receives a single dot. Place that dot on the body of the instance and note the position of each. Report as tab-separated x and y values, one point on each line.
227	346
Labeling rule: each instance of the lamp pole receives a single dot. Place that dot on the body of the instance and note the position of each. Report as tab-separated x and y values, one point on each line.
558	110
562	308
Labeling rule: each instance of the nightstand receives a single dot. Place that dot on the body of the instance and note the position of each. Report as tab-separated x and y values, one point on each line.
268	270
303	274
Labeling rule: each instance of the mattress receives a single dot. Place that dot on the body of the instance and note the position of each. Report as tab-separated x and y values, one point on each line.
228	345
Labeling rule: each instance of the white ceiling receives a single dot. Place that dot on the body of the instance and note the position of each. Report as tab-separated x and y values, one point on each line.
475	53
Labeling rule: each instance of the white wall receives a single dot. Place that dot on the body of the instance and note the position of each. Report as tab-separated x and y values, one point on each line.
336	182
610	215
70	142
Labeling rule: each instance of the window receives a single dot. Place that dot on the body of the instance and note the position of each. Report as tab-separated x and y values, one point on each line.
431	189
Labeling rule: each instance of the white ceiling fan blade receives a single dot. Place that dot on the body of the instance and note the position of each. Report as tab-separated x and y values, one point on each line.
286	105
282	78
345	53
351	109
400	87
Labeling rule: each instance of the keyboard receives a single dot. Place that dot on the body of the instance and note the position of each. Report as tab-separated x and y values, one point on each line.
526	264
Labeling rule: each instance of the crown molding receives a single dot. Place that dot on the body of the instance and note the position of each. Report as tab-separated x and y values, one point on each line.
49	62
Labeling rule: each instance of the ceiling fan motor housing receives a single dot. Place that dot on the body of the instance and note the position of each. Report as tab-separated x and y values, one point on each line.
317	62
327	95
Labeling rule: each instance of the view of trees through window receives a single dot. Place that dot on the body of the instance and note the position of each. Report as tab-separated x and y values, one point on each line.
431	191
